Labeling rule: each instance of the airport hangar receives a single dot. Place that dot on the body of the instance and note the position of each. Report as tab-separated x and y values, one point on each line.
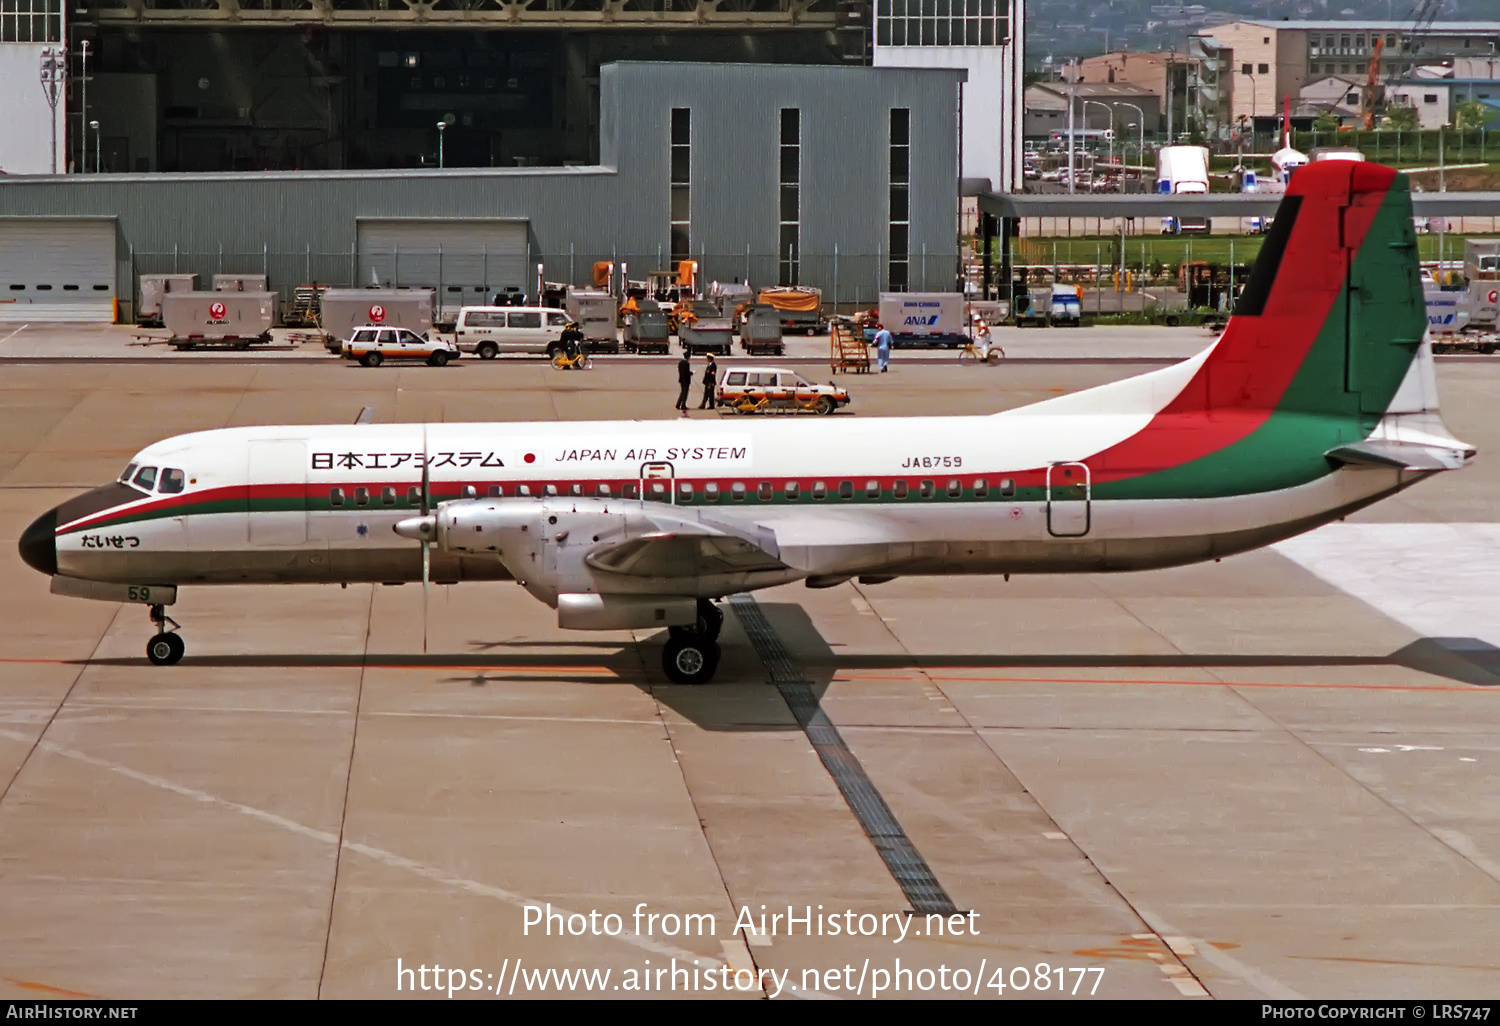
845	178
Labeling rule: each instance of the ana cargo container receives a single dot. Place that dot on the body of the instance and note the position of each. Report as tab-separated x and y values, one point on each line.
1482	270
925	318
342	310
596	313
240	283
218	318
153	287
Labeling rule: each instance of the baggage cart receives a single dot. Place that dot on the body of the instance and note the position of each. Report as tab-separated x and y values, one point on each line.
701	328
647	328
240	283
342	310
800	307
761	332
153	287
237	319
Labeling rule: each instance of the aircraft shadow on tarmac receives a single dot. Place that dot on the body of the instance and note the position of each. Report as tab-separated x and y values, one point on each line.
740	700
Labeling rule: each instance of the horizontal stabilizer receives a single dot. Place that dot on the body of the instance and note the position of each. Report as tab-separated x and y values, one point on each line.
1401	455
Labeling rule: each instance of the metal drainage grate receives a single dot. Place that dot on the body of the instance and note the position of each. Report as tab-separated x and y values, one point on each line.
900	856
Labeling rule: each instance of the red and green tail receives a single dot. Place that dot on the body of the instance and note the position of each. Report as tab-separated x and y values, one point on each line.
1320	341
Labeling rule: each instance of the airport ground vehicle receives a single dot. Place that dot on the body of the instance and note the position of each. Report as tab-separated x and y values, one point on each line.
1183	170
760	331
596	312
238	319
929	319
648	328
702	328
340	311
775	389
488	331
374	344
799	306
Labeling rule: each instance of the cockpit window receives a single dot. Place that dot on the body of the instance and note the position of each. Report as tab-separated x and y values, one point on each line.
146	478
172	481
125	477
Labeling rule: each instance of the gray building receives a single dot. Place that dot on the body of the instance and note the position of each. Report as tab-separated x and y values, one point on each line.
843	178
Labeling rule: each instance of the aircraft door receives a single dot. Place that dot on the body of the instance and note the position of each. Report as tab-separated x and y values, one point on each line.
658	481
276	501
1068	500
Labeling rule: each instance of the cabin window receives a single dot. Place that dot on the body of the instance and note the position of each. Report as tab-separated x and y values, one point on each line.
658	490
602	491
711	491
631	490
899	489
928	489
737	491
955	488
685	490
470	492
146	478
765	491
1007	488
981	488
820	490
550	489
172	481
129	470
335	496
872	489
576	489
388	496
361	496
791	489
414	495
524	490
846	489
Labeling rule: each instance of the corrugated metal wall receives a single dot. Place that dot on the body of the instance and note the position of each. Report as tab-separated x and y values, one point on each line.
296	225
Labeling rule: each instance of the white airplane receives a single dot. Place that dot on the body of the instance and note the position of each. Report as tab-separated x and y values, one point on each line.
1317	400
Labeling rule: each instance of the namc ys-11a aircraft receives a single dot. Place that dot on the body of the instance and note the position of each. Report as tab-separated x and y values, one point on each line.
1317	399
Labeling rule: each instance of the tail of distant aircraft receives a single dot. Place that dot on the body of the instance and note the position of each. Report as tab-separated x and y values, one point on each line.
1329	327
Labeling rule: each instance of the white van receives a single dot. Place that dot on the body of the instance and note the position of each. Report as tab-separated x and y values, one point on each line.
492	330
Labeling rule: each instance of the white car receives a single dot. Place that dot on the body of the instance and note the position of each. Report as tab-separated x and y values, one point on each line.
761	389
372	345
491	330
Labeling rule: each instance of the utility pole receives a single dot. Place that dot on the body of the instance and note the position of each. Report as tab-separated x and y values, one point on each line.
83	111
54	75
1169	100
1072	75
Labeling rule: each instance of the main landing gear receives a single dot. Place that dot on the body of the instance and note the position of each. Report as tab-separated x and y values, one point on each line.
691	655
166	648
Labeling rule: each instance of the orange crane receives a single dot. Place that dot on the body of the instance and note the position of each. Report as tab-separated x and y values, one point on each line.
1372	85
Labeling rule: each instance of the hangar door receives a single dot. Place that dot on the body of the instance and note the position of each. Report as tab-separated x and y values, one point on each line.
57	268
465	260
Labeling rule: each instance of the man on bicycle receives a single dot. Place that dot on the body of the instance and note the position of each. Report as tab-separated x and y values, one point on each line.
572	340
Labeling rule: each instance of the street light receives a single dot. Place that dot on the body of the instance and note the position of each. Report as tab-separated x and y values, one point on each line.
1141	152
441	126
98	163
54	74
1110	115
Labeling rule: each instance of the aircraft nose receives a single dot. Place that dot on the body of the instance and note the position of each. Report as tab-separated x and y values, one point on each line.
39	543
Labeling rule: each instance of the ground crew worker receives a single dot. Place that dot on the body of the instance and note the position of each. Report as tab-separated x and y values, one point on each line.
572	340
684	382
710	379
883	346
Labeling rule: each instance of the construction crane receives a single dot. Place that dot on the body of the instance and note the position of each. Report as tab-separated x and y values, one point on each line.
1421	16
1372	85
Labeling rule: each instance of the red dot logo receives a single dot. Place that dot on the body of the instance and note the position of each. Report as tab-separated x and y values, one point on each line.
1495	295
531	457
217	311
377	313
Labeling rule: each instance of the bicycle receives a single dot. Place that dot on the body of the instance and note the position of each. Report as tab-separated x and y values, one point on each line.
562	361
971	353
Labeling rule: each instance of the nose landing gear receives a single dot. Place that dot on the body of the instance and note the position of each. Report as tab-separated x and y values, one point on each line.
166	647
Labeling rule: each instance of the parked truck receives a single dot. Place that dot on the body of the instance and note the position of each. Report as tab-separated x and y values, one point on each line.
925	318
799	306
1182	170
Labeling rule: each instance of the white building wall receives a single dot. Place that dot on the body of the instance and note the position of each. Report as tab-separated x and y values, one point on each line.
25	117
992	98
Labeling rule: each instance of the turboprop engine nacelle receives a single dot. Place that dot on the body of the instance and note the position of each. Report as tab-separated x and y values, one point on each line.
604	564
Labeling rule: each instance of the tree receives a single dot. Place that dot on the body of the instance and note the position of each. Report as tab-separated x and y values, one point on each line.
1327	122
1471	115
1401	116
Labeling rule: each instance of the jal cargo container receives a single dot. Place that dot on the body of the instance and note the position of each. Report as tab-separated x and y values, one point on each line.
596	313
218	318
925	318
240	283
343	310
154	286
